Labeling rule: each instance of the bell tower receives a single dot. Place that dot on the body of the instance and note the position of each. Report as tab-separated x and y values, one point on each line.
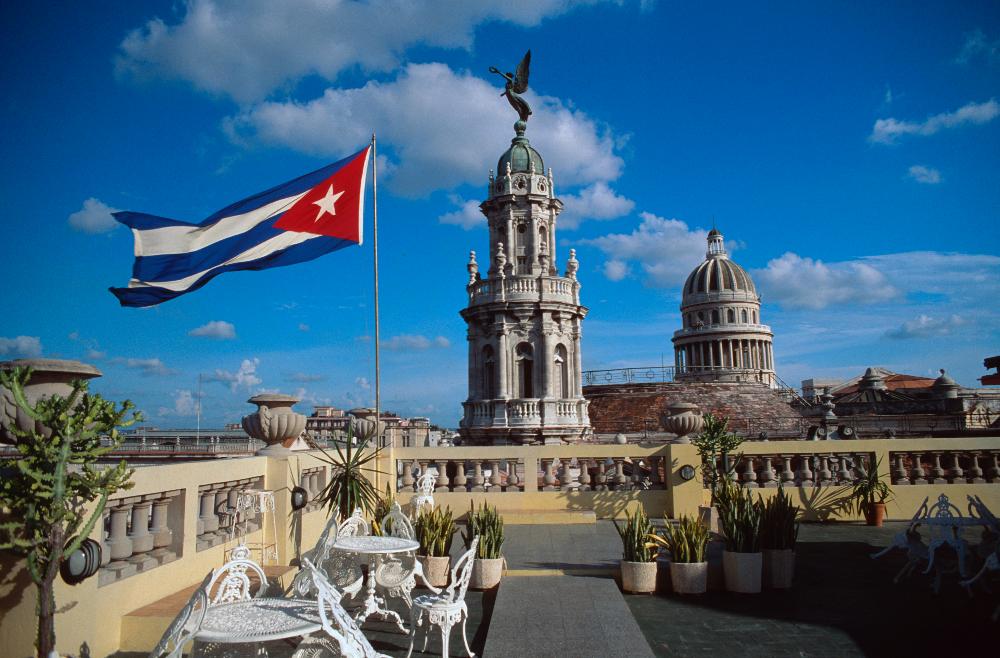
524	318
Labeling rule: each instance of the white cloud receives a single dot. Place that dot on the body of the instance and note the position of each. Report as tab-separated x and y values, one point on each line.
887	131
185	403
468	215
248	48
152	366
666	249
797	282
968	278
436	121
363	383
304	378
925	326
94	217
414	342
925	175
616	270
977	44
303	326
597	201
95	354
245	377
217	329
21	347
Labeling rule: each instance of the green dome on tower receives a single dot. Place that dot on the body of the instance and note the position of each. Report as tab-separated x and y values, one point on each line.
521	155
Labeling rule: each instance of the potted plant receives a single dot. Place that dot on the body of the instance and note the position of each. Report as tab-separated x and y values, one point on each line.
778	533
487	524
349	486
686	542
739	518
870	494
716	445
435	528
638	563
382	507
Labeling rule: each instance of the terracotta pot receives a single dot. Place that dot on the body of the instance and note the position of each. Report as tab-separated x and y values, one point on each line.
639	577
875	514
743	571
486	573
689	577
436	569
274	423
779	568
49	377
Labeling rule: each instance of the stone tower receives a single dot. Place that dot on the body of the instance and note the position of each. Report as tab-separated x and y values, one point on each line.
722	339
524	319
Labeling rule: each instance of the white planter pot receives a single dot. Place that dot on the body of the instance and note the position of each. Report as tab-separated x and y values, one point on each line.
486	573
779	568
436	569
689	577
639	577
743	571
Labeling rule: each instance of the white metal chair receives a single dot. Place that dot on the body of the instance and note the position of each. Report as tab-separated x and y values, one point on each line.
184	626
230	582
398	576
342	569
337	624
425	492
448	608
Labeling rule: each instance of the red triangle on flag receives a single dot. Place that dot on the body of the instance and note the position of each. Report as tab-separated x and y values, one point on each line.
335	207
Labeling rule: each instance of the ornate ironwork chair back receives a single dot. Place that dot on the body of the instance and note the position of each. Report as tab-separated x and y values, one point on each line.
461	573
395	523
185	624
230	582
337	623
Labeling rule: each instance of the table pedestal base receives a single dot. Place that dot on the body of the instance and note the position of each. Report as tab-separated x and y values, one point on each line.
376	605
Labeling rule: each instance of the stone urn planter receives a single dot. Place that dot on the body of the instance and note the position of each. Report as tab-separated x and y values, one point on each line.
486	573
779	568
437	569
639	577
274	423
48	377
743	571
689	577
683	419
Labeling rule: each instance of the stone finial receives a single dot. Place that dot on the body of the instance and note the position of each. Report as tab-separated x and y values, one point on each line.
490	185
501	258
572	265
508	170
552	187
473	268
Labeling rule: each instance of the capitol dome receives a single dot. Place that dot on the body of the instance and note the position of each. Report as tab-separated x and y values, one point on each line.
722	338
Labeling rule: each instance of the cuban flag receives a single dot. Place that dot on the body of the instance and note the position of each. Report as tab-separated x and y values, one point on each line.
294	222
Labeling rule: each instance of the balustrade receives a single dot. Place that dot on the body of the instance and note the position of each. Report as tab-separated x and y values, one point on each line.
963	466
137	535
218	514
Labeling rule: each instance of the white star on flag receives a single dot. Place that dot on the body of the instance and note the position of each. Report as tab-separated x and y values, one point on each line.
326	204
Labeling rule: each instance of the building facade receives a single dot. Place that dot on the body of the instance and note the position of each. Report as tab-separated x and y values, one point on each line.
524	318
722	338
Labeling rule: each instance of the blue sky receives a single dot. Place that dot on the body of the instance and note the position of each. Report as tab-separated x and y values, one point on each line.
851	156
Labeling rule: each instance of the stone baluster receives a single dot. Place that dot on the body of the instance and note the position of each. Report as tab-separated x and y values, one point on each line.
620	479
221	507
208	522
513	481
787	474
824	476
478	481
993	472
654	472
496	482
585	480
601	480
406	481
844	473
636	482
900	476
119	541
460	479
163	536
956	474
917	469
234	497
805	475
442	481
549	479
937	472
424	465
749	477
975	472
106	527
142	539
767	478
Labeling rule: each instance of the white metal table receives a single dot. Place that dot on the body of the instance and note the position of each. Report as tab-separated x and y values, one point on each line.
373	546
259	620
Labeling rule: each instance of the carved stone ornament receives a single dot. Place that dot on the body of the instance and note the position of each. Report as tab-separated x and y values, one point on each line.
572	265
473	268
274	423
48	377
501	258
683	420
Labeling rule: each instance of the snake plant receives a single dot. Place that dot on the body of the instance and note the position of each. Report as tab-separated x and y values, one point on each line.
487	524
634	533
739	518
778	529
435	528
685	540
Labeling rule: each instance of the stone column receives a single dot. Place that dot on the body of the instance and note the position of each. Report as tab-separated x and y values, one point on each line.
503	386
162	535
118	539
544	363
711	354
142	541
577	367
475	369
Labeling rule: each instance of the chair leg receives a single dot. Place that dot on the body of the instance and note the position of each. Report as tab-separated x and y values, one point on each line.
465	639
414	622
445	636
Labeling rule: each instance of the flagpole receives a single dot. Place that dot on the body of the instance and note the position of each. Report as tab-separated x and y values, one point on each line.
378	401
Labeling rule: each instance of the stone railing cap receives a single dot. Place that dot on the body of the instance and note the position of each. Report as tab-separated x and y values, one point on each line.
53	365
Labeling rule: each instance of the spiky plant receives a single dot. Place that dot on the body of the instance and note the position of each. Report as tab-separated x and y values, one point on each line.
435	528
487	524
634	534
778	529
685	540
382	507
870	488
349	486
739	518
715	445
46	489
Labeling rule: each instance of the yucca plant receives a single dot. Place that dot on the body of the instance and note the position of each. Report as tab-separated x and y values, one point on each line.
349	486
435	528
739	518
685	540
634	533
870	488
487	523
382	507
778	529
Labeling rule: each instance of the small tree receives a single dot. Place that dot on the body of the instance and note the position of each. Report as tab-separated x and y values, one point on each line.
715	445
45	490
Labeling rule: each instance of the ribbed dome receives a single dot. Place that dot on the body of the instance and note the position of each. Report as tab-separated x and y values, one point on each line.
520	155
718	275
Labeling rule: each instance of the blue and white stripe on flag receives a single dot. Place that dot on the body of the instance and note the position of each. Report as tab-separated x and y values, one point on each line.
291	223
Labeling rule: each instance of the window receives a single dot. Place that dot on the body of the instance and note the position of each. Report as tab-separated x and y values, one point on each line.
489	383
525	371
731	316
560	372
755	317
743	315
715	317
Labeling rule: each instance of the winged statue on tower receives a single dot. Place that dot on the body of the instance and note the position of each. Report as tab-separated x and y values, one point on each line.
517	84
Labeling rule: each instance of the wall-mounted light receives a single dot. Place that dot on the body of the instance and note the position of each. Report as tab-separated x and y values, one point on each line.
686	472
82	563
299	498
